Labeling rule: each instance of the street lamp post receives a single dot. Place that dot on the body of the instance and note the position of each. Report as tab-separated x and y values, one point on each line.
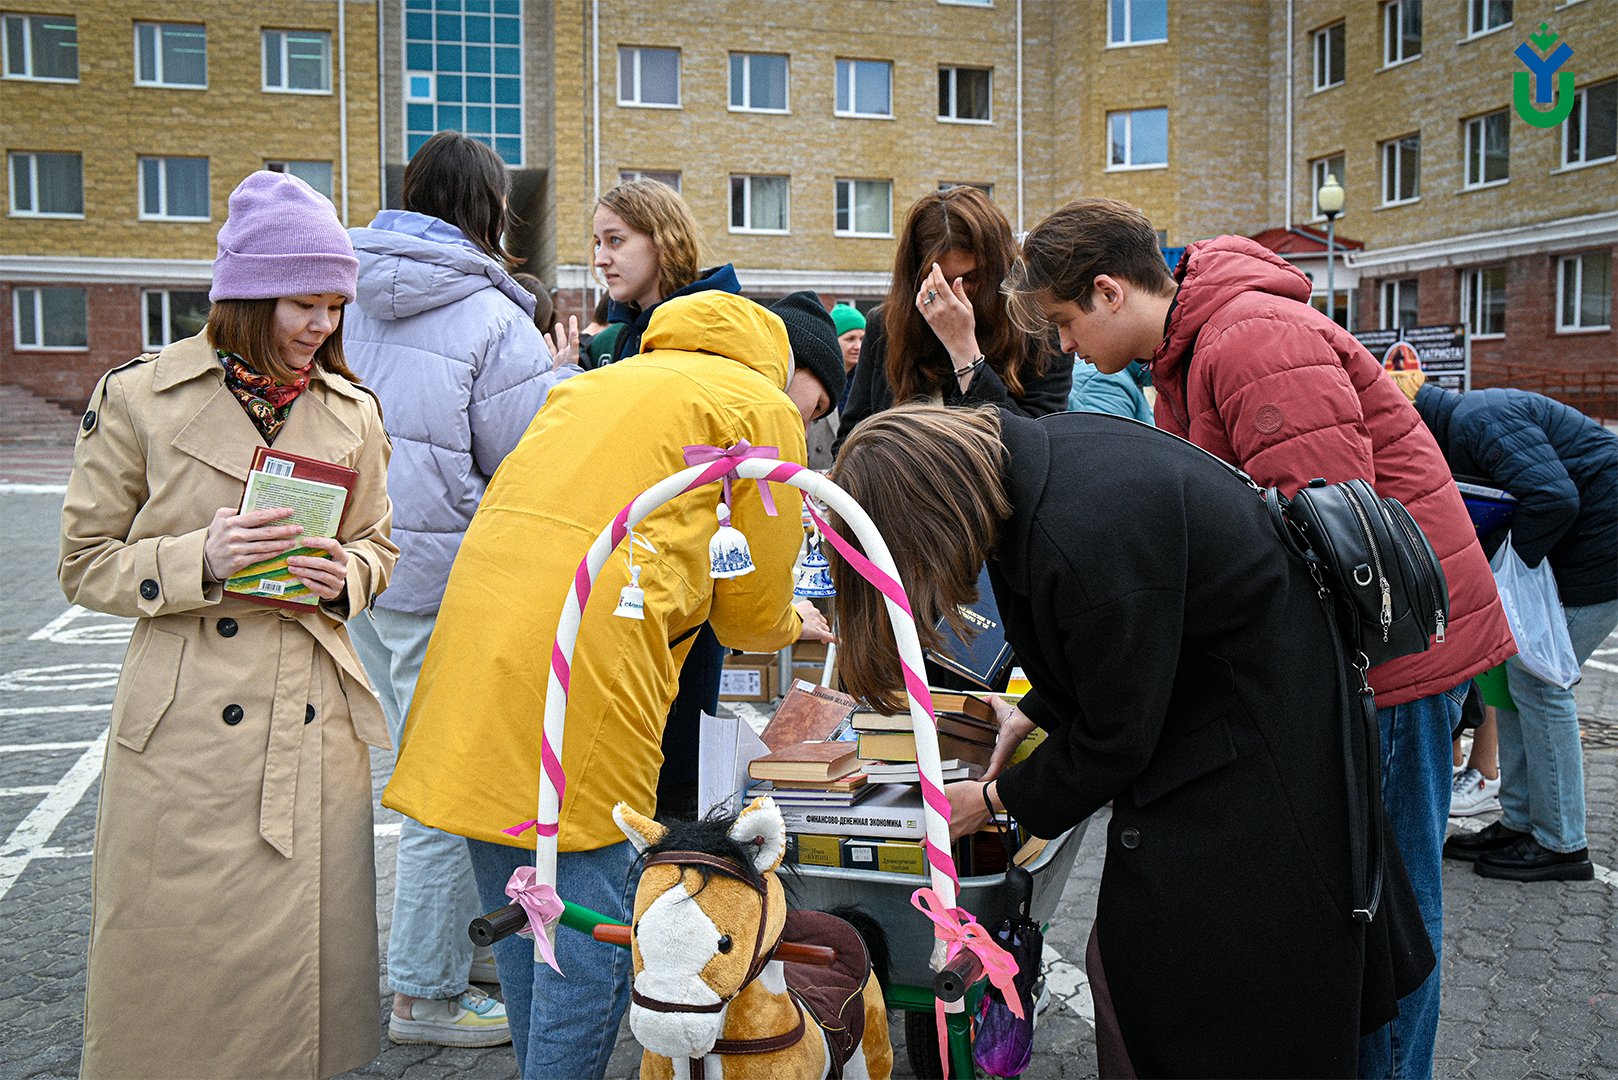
1330	200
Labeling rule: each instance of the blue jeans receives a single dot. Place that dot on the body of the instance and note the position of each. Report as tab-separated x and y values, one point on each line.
1541	760
434	896
1416	778
563	1026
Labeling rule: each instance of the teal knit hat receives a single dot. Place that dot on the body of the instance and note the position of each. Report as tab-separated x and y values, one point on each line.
847	317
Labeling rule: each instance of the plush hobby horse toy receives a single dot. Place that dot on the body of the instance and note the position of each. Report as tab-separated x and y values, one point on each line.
710	1001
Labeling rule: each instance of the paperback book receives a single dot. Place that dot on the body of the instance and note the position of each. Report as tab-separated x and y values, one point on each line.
317	494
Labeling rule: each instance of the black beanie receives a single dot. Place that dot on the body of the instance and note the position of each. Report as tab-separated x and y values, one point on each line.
813	336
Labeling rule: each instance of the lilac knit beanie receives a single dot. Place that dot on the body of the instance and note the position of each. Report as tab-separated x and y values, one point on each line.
281	238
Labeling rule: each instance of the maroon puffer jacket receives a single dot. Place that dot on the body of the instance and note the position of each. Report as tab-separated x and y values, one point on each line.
1253	374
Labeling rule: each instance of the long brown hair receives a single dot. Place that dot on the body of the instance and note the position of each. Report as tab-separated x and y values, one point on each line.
931	480
957	219
654	208
247	328
1063	255
463	182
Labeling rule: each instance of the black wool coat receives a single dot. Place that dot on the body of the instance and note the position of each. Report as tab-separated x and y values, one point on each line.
1182	669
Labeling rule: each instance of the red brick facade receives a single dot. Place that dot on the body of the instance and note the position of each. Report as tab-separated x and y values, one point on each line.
66	377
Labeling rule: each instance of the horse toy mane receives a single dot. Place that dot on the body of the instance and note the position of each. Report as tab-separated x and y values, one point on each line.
709	997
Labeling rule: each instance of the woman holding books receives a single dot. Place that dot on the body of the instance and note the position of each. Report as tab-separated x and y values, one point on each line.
233	919
1182	669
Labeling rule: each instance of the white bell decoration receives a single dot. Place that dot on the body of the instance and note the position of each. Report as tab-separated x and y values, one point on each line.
814	575
632	598
728	555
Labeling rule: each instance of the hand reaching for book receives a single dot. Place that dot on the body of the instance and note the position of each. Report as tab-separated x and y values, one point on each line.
1014	728
815	626
236	540
324	575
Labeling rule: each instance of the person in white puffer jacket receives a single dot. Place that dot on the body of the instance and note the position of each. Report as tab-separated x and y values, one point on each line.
445	337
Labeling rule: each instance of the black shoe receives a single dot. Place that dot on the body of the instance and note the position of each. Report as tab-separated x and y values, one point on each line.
1528	860
1467	846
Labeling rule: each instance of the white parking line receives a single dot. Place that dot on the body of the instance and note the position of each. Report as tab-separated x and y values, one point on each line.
26	748
39	710
13	792
33	489
32	833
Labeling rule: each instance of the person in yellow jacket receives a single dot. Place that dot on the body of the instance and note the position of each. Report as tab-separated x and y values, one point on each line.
716	369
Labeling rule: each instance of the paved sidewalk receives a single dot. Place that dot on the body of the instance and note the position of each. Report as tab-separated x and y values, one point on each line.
36	439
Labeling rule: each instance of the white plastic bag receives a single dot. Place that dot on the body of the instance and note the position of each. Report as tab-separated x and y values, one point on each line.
1535	615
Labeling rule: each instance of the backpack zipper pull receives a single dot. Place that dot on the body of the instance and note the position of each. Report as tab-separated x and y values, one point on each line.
1387	607
1438	617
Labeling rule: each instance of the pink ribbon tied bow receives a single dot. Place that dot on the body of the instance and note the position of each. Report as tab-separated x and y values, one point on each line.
543	906
702	455
957	927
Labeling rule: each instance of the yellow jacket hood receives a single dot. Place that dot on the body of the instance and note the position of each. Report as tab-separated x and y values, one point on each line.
723	324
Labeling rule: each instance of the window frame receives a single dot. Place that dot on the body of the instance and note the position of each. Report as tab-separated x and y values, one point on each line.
27	19
1472	9
1127	41
1474	128
1318	168
1577	259
1390	296
747	82
38	292
953	72
1471	279
1383	149
853	201
1317	39
33	185
626	175
1395	11
679	77
167	315
286	68
157	60
747	204
163	183
1581	109
1129	140
271	163
852	112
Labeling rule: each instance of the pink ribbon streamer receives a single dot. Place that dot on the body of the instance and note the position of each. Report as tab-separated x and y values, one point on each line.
702	455
543	906
964	933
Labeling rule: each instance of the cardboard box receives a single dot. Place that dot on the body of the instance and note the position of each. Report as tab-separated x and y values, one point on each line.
749	677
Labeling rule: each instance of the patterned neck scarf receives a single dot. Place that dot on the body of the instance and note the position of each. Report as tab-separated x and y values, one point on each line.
267	403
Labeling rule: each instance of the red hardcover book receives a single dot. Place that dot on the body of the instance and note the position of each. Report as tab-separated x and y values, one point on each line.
317	491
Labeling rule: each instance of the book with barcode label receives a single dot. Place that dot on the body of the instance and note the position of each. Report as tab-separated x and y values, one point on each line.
317	493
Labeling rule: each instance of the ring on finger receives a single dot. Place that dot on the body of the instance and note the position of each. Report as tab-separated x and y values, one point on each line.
932	294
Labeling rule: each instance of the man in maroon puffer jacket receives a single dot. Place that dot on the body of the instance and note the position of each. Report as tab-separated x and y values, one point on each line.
1245	368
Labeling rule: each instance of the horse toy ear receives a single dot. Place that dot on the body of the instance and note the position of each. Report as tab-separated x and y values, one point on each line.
642	831
762	832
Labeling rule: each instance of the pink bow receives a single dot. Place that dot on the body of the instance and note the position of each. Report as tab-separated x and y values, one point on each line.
962	931
543	906
702	455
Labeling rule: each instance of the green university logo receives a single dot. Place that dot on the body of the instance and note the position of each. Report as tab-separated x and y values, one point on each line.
1542	67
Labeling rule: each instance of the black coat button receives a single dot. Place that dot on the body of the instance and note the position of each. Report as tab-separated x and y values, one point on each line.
227	628
89	420
232	715
308	714
1130	838
148	588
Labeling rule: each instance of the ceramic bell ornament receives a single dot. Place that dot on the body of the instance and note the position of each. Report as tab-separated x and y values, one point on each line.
632	598
728	554
814	574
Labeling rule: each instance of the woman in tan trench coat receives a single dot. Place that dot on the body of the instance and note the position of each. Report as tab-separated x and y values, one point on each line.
233	928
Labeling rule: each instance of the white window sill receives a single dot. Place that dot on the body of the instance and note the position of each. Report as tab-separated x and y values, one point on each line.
53	348
963	120
863	235
26	214
1565	6
645	105
1136	44
421	101
293	90
1400	63
1137	168
1396	205
767	112
1328	86
170	86
1486	337
736	231
967	3
38	78
1467	189
1574	330
863	115
1484	33
170	218
1576	166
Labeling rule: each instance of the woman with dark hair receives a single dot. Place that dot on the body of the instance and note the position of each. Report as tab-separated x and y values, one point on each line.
446	338
943	334
233	918
1182	670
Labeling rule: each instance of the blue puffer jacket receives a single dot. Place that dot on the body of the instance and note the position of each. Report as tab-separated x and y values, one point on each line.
1562	467
447	340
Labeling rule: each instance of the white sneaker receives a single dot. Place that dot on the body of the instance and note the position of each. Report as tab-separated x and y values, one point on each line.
1473	793
471	1019
483	966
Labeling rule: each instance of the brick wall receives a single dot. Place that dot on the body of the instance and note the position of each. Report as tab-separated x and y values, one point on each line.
64	377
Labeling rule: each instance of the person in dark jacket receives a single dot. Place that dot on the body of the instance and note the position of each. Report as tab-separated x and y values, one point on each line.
1182	669
1563	468
943	334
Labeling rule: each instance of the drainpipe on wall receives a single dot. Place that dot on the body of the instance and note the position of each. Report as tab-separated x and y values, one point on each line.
1019	121
1286	196
382	112
342	100
595	94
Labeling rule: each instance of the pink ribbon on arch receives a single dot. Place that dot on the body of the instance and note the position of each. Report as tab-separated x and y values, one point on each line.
543	907
965	934
732	456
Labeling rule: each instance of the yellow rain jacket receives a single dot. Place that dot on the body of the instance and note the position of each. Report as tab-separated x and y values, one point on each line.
712	373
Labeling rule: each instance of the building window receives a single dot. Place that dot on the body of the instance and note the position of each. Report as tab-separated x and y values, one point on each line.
464	72
864	208
1485	15
1584	291
297	61
662	176
1401	170
171	54
1401	31
1488	149
1399	305
40	47
1329	56
174	315
1483	301
965	94
758	82
1590	133
759	203
47	185
174	188
1137	22
987	189
53	318
1138	139
317	174
1318	169
649	78
864	88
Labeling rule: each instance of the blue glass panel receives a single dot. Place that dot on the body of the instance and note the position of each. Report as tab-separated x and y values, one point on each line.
508	92
421	87
479	120
477	5
1150	20
507	31
418	24
507	61
449	5
508	7
449	88
479	57
450	116
419	117
510	150
508	121
415	142
449	58
449	27
419	56
478	28
479	88
1150	144
419	5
